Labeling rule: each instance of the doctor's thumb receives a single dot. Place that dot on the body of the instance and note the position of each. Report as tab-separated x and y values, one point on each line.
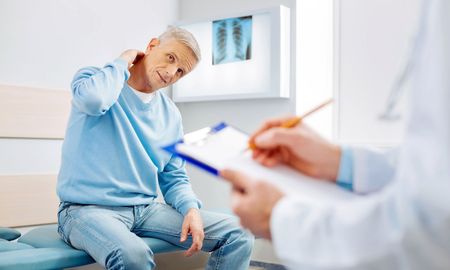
238	180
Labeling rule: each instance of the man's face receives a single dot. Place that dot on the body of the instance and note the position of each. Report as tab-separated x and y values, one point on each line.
165	63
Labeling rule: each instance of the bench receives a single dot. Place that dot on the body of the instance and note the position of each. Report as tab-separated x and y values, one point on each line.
42	248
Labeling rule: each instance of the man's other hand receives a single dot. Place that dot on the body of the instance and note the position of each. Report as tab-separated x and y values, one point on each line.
193	225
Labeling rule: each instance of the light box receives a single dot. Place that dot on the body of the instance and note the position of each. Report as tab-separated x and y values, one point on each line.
244	56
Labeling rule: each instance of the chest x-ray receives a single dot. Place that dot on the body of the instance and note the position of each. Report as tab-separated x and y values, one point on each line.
232	40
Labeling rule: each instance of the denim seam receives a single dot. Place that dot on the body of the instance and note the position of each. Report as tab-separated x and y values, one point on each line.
89	232
176	234
67	222
94	235
219	256
151	229
64	211
122	267
157	229
218	239
142	218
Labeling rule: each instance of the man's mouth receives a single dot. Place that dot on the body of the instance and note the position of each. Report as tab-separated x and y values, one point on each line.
162	79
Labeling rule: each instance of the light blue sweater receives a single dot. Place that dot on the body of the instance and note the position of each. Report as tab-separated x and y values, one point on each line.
111	153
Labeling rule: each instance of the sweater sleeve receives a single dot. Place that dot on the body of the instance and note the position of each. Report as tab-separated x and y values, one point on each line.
95	90
176	188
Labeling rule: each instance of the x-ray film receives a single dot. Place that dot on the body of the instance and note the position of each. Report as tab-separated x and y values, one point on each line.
232	40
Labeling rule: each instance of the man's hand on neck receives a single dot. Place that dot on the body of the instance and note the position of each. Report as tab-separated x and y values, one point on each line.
133	58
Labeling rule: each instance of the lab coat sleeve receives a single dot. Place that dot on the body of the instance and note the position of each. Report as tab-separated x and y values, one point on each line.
372	168
306	235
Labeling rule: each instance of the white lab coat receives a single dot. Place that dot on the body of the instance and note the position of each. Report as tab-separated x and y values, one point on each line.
406	223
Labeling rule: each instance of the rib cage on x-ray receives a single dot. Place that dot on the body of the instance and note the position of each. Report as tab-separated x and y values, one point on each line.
237	38
221	41
239	45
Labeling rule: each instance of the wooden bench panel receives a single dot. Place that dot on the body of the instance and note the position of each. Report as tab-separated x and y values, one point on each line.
28	200
27	112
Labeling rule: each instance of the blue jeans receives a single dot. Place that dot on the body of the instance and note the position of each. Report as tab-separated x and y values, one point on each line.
111	235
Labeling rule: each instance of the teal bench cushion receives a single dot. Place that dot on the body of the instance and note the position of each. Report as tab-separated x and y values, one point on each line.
8	234
8	246
44	237
43	258
48	237
44	249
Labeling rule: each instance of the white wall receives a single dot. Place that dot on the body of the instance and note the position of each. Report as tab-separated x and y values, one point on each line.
315	62
44	42
373	44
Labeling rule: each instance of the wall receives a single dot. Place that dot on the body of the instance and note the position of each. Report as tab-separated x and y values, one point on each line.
315	62
374	42
43	43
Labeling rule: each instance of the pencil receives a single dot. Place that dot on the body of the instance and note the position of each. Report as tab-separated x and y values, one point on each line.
294	121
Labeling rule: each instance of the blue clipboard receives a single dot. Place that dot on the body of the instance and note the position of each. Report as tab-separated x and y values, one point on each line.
172	149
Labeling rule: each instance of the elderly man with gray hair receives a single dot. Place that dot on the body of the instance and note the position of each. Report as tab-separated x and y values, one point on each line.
112	163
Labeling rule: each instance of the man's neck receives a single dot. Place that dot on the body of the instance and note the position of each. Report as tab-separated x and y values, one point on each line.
136	81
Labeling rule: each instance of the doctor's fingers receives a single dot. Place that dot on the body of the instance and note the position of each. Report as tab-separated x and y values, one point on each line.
277	137
271	123
270	158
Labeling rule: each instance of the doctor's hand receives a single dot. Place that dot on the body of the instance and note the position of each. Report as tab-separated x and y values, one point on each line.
193	225
299	147
253	201
132	56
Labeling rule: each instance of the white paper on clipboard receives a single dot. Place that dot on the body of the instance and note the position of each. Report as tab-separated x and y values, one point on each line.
227	148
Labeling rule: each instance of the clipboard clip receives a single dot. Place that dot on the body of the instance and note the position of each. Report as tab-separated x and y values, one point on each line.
201	136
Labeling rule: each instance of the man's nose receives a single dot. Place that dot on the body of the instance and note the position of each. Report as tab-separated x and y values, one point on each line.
170	73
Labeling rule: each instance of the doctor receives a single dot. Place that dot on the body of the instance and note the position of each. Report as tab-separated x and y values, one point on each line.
403	221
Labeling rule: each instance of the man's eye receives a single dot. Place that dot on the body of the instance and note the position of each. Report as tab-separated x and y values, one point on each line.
180	71
171	58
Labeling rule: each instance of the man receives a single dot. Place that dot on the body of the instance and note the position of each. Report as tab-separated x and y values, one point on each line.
112	165
403	221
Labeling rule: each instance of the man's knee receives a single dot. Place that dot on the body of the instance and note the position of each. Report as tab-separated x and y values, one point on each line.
243	238
130	256
239	236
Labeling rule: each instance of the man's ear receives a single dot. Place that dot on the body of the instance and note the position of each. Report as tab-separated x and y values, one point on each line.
152	44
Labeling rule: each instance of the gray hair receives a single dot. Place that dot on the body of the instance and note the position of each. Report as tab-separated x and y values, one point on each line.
183	36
